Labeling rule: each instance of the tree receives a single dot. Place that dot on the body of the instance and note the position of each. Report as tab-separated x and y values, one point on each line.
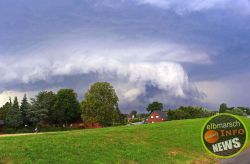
193	112
101	105
181	114
171	114
5	109
133	113
41	108
36	114
245	109
155	106
223	108
45	101
25	106
236	111
14	117
189	112
67	107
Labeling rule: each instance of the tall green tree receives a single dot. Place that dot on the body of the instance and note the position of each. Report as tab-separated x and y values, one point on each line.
14	117
42	107
223	108
36	114
101	105
155	106
67	107
5	109
45	102
24	107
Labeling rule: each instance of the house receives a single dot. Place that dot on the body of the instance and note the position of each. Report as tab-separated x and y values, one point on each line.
157	116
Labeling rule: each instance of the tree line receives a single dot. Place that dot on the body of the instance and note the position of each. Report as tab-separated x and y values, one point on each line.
190	112
100	104
46	108
241	111
183	112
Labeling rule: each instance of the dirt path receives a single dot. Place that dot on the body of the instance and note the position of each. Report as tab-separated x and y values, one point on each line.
243	158
20	134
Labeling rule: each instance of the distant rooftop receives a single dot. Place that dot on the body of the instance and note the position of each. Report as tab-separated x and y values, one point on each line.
160	113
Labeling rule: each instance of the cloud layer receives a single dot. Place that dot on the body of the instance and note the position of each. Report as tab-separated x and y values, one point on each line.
148	49
130	65
181	7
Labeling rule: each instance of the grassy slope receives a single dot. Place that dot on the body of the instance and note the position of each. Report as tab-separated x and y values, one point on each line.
169	142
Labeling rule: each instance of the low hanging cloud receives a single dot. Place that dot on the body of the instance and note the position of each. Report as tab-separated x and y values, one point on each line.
181	7
143	47
130	66
232	90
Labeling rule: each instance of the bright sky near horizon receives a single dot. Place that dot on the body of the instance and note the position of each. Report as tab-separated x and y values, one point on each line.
181	53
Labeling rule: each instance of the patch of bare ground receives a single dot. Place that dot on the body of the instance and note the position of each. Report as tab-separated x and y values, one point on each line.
20	134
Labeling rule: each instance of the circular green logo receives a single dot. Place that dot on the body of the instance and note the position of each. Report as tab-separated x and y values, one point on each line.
224	135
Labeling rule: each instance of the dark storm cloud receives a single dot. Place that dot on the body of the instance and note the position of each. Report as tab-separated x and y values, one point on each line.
171	45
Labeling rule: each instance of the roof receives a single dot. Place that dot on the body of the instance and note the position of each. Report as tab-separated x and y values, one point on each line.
160	113
1	122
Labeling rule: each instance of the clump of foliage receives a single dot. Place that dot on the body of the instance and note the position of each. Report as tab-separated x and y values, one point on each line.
155	106
101	105
241	111
188	112
5	109
47	108
14	116
67	107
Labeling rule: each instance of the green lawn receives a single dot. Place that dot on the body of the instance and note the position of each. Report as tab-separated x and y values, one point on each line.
168	142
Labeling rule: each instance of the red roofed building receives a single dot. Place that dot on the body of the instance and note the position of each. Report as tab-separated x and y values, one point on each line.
157	116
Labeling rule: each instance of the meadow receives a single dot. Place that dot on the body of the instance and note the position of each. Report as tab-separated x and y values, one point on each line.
168	142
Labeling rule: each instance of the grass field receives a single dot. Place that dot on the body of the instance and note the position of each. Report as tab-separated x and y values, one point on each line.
168	142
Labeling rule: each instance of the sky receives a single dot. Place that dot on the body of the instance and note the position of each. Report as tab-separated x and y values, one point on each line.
192	52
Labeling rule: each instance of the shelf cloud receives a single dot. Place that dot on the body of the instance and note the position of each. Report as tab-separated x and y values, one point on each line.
173	51
131	65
